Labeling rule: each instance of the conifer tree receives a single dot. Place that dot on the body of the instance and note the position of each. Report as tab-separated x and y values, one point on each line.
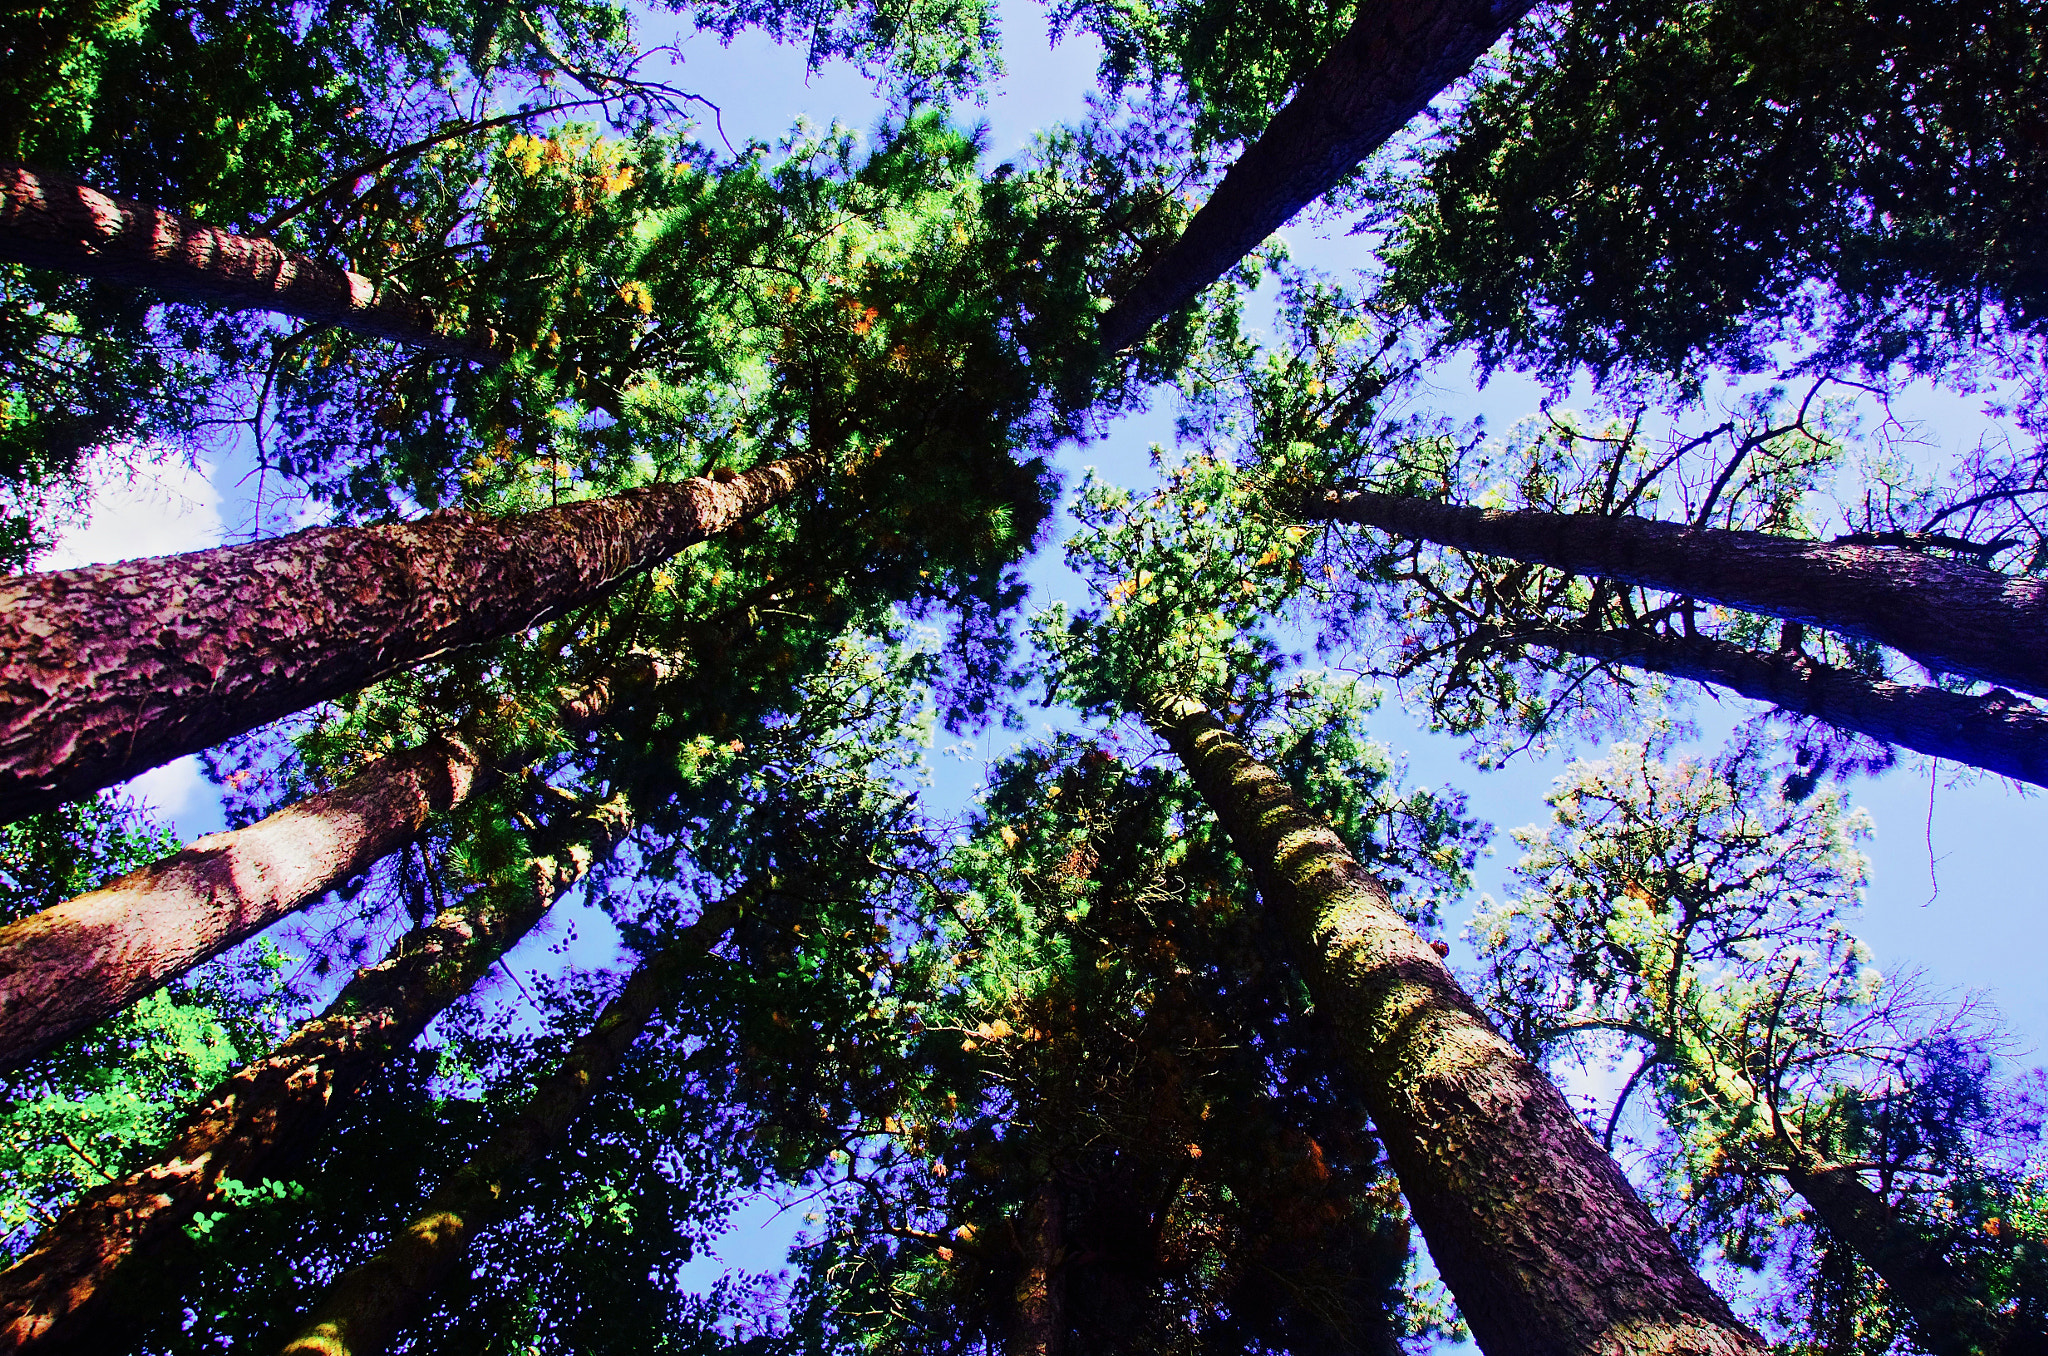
1491	1159
1697	917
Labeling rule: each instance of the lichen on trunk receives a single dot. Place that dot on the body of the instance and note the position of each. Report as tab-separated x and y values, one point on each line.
1538	1234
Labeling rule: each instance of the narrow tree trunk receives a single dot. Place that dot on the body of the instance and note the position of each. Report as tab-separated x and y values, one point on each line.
1951	1320
367	1305
78	962
275	1104
51	221
109	670
1996	731
1395	58
1035	1327
1539	1236
68	967
1947	615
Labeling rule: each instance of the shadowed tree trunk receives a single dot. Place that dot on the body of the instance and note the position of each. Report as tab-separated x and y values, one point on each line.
71	965
1947	615
278	1103
367	1305
50	221
1036	1326
1539	1236
1995	731
110	670
1396	57
1951	1320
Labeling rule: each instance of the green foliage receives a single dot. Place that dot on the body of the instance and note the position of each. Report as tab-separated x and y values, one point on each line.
1089	946
86	1111
1690	922
928	49
1234	65
1638	187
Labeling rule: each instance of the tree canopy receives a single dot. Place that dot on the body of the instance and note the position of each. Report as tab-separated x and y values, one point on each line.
628	513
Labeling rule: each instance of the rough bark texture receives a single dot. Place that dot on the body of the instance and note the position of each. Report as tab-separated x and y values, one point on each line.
1395	58
274	1105
1539	1236
1995	731
80	961
51	221
70	966
367	1305
1948	615
1951	1320
1035	1328
109	670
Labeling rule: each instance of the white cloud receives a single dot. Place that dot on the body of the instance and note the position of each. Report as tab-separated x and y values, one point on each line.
140	510
137	509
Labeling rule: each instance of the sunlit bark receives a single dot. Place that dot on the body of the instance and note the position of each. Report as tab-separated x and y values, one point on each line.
53	1295
109	670
1539	1236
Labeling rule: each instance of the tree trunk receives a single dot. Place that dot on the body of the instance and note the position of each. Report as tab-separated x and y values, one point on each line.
1395	58
76	963
1040	1317
1995	731
51	221
1539	1236
68	967
109	670
276	1104
367	1305
1947	615
1951	1321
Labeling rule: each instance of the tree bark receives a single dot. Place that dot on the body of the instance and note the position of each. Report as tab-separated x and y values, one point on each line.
1951	1320
52	221
1946	615
1396	57
1995	731
1040	1315
109	670
367	1305
1539	1236
50	1297
72	965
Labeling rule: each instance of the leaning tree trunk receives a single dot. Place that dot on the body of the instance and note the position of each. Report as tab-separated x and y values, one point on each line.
1395	58
72	965
1039	1315
1946	615
1995	731
78	962
278	1103
1951	1320
367	1305
50	221
1539	1236
109	670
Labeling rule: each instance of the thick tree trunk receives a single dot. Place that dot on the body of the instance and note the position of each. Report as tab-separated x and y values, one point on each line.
367	1305
1951	1320
74	964
109	670
51	221
1947	615
1996	731
1035	1327
1396	57
1539	1236
276	1104
68	967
